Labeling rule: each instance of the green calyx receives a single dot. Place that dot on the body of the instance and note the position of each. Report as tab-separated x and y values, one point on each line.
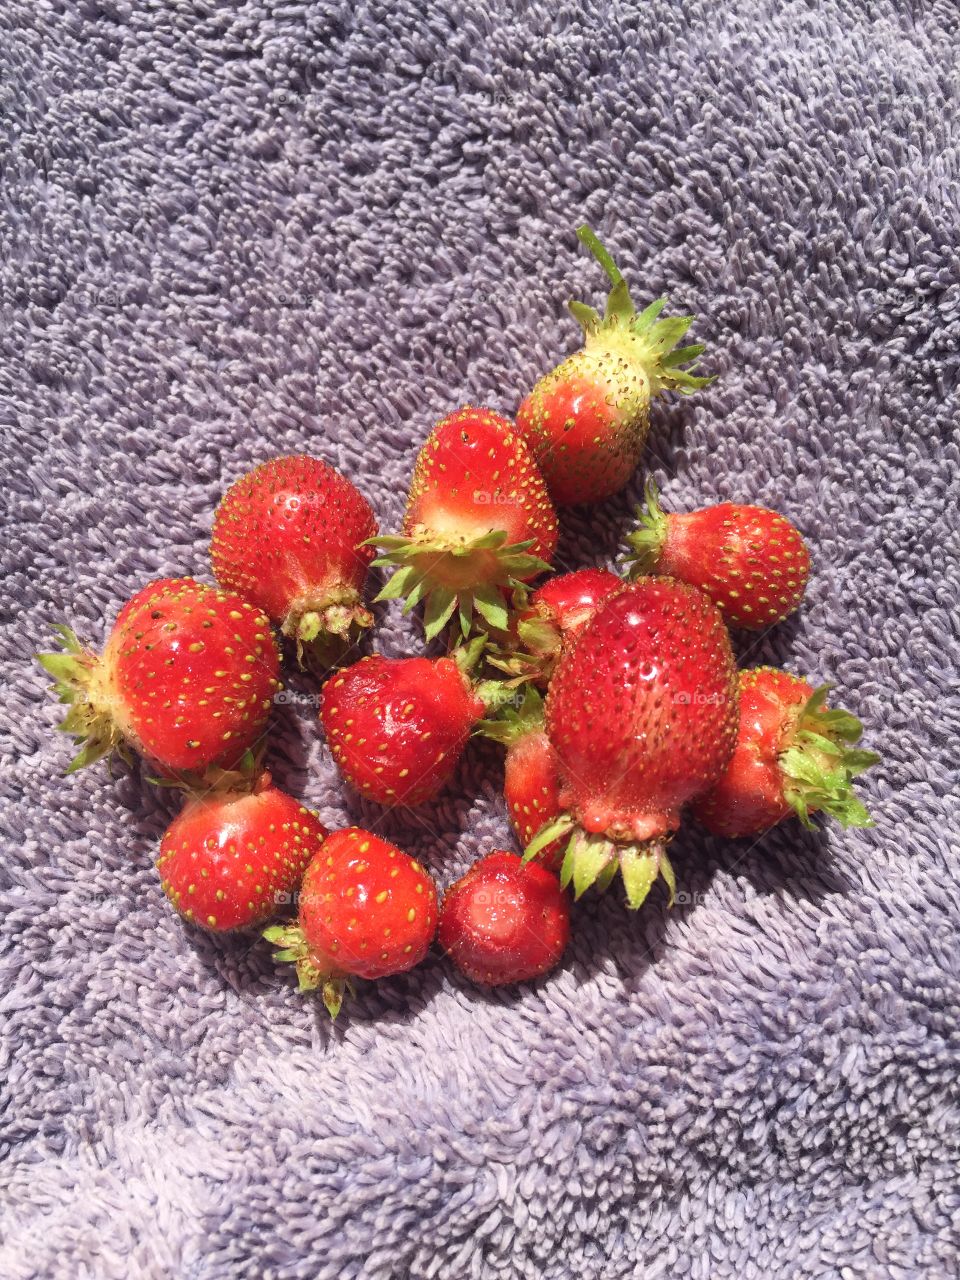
76	673
646	541
593	861
512	720
322	627
244	778
647	339
453	577
821	762
293	948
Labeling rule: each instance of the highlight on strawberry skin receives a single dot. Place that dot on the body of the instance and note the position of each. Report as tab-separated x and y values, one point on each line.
232	858
187	679
587	420
290	536
794	756
479	522
752	562
366	910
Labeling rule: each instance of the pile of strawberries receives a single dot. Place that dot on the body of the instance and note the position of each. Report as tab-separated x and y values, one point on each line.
617	698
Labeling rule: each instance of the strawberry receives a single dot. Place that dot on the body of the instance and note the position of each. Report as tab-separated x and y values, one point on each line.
504	921
478	519
187	678
558	611
642	716
230	857
751	562
290	537
397	727
531	778
793	755
587	420
367	910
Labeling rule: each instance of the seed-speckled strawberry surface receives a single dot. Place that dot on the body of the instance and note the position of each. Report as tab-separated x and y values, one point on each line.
642	711
397	727
531	787
229	860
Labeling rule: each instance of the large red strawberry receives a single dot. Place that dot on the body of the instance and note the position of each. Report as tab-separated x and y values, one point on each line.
531	776
367	910
587	420
187	678
230	858
478	519
397	727
556	614
504	921
290	537
793	756
751	562
642	715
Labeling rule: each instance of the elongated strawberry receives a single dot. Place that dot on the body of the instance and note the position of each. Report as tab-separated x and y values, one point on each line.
793	756
290	536
504	921
642	715
531	775
230	858
187	678
367	910
397	727
558	611
751	562
478	519
587	420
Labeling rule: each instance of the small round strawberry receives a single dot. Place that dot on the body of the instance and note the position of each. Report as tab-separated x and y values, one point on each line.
751	562
290	536
397	727
367	910
478	519
793	756
504	921
587	420
642	716
229	858
558	611
187	678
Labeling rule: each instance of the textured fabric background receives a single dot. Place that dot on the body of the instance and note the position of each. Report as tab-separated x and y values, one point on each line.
232	230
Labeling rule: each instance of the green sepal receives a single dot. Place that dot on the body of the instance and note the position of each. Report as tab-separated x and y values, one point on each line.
639	867
647	539
73	671
512	722
819	765
549	832
439	609
491	606
292	944
589	857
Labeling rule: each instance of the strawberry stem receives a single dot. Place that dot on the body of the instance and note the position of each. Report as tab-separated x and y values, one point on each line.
588	237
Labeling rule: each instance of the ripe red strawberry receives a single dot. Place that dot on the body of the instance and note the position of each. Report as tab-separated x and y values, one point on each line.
556	614
751	562
531	777
478	519
642	715
367	910
793	755
504	921
397	727
587	420
187	678
289	536
231	857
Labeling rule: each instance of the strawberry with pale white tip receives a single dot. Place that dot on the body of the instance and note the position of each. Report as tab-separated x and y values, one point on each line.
588	419
478	520
751	562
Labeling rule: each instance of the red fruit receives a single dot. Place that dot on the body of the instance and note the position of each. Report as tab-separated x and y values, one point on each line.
587	420
751	562
397	727
289	536
367	910
793	755
642	715
504	921
230	858
478	519
187	678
